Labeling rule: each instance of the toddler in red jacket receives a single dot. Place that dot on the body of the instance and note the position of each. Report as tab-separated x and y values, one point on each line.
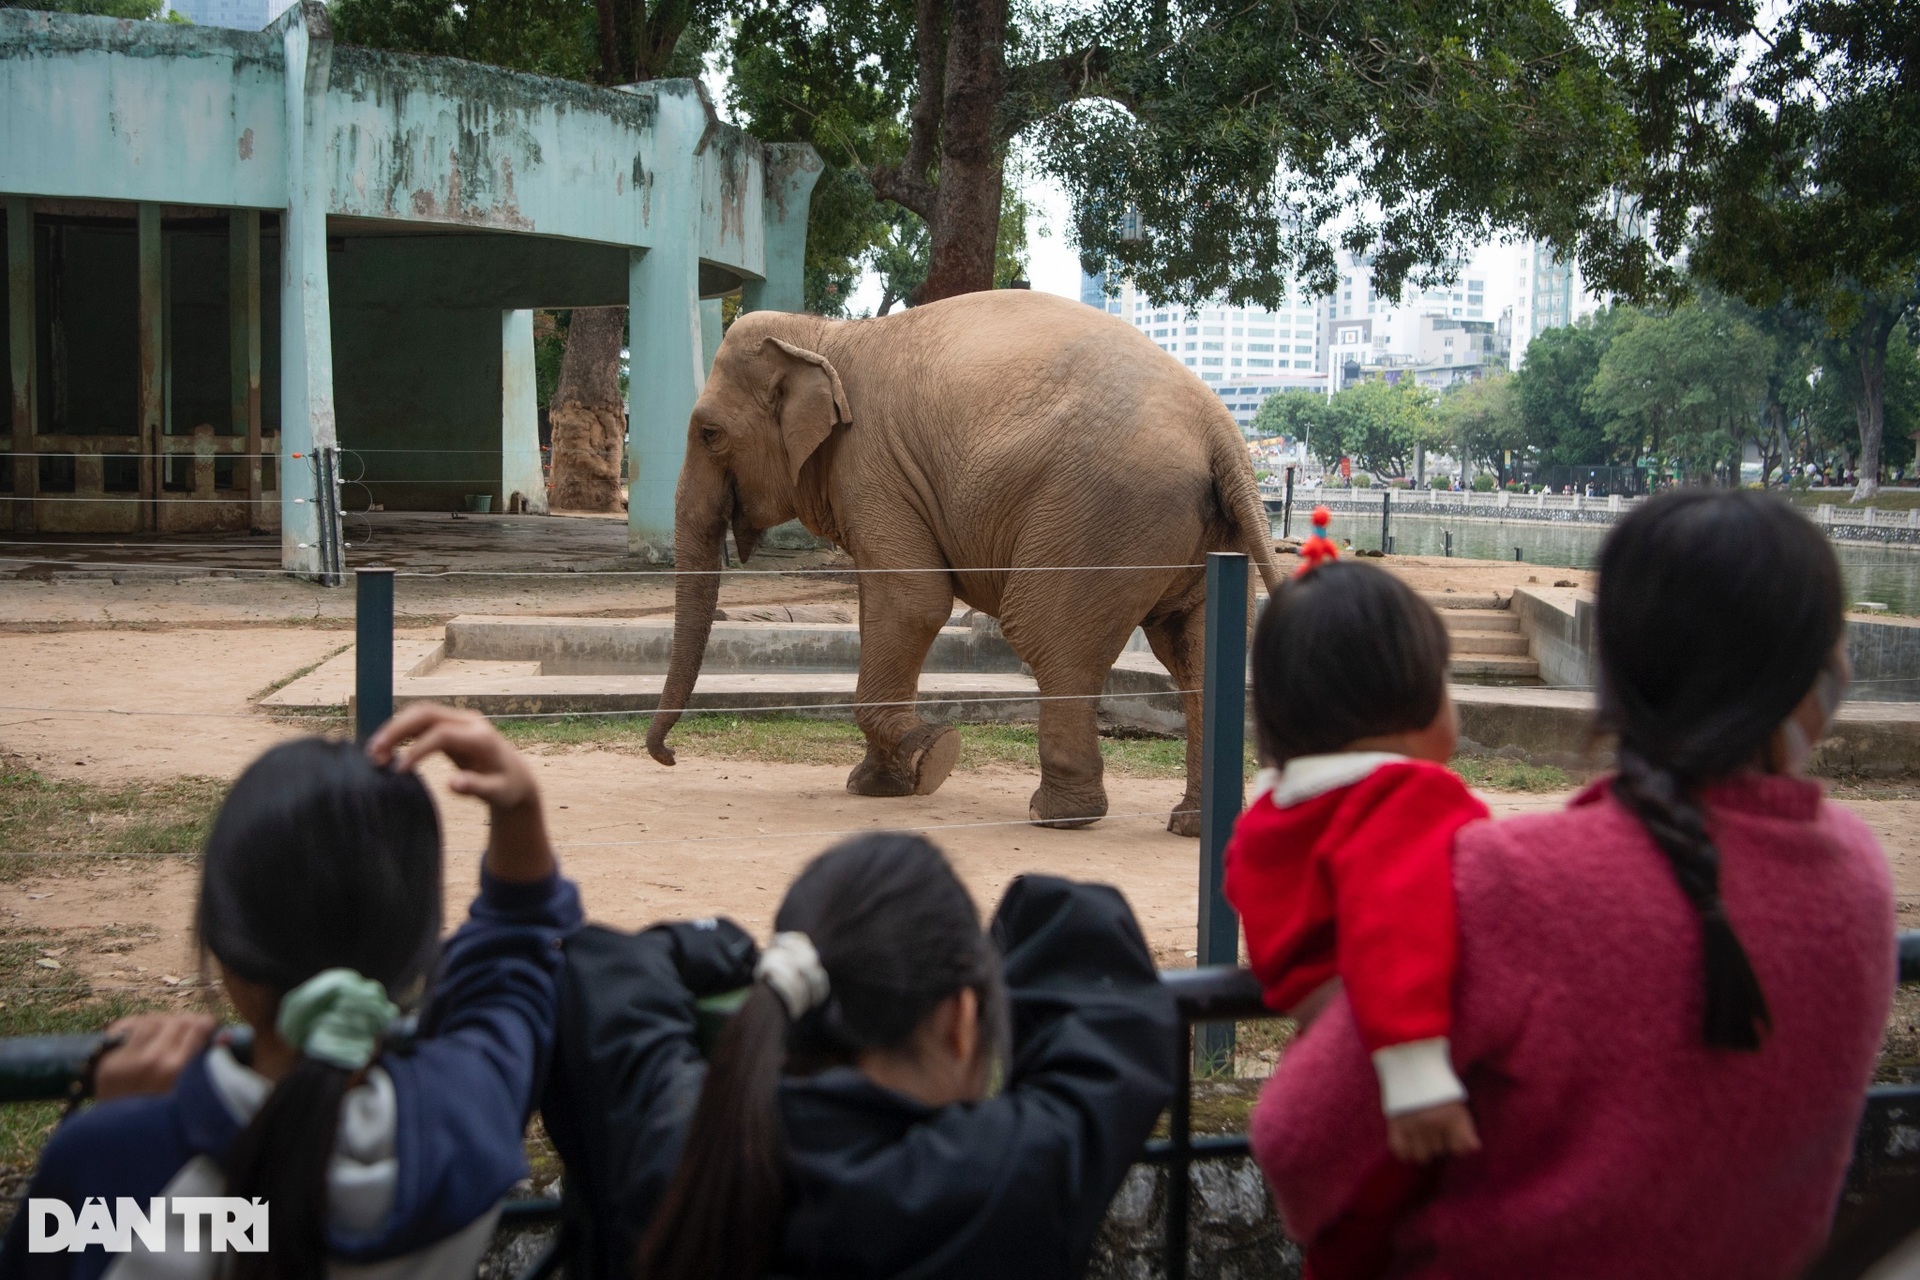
1341	869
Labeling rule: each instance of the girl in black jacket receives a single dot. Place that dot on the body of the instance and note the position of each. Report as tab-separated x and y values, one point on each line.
898	1095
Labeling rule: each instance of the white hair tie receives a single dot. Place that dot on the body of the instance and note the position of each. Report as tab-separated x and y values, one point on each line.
792	967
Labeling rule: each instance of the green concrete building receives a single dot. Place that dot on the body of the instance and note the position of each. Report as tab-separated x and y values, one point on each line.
250	274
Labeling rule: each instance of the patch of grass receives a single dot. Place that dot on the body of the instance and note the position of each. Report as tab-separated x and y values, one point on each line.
781	739
40	815
1490	773
39	1001
792	739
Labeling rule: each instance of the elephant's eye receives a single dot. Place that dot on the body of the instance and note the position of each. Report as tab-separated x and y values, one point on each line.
713	438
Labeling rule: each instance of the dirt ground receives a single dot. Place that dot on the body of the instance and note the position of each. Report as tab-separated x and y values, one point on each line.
157	677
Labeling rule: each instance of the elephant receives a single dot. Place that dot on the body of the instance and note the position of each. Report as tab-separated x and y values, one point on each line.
997	447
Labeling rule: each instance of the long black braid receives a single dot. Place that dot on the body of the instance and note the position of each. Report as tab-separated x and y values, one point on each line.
1717	613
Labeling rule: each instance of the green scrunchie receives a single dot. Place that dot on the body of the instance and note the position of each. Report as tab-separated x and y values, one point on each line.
336	1016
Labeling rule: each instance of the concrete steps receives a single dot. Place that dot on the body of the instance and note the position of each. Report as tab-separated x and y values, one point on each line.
1488	644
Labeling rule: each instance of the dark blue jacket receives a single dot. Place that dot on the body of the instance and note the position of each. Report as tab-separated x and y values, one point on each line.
463	1091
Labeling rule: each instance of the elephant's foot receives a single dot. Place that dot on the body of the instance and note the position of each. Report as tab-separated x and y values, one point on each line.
916	767
1185	819
930	751
1052	807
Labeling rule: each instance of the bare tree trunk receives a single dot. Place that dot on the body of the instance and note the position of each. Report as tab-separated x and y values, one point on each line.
588	419
965	225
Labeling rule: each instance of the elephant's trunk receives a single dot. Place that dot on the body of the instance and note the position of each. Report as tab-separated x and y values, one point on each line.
699	530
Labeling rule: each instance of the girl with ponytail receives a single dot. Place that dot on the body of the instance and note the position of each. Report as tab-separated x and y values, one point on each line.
377	1144
899	1093
1670	995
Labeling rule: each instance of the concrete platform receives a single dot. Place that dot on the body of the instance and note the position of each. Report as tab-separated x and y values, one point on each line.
559	666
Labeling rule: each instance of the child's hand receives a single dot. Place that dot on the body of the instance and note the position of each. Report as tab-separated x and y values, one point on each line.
153	1049
1431	1132
489	769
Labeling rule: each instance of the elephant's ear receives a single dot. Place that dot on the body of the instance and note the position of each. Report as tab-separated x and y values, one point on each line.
812	401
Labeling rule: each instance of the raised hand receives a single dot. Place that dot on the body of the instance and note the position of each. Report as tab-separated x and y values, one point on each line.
487	768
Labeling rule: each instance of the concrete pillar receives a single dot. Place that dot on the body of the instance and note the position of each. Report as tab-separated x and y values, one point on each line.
791	170
21	332
519	417
151	341
243	348
667	367
712	330
309	512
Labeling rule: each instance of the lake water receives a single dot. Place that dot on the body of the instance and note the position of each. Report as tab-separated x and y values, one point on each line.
1886	575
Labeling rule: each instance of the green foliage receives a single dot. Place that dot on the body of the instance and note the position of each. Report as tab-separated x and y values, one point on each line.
547	37
1684	390
1480	421
1236	145
1483	483
1377	424
1559	427
1297	415
899	255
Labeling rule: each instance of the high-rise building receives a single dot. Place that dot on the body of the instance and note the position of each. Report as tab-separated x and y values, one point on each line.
247	15
1245	354
1551	295
1093	292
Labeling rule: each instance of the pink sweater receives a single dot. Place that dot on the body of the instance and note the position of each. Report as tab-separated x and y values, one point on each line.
1616	1143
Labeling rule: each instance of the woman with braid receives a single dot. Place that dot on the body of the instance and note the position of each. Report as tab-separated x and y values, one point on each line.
1669	996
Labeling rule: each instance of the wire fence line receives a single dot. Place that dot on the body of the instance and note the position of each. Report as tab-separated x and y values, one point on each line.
743	709
1157	815
403	572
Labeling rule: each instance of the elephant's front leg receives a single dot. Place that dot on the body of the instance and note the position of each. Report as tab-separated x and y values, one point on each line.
900	615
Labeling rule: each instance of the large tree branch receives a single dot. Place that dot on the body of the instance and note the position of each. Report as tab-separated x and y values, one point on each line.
1040	88
664	23
892	182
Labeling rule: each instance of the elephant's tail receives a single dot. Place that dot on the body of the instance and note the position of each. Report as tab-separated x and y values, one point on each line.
1240	500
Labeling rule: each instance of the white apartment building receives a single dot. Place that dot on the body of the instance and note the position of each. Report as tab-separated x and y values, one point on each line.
1434	336
1245	354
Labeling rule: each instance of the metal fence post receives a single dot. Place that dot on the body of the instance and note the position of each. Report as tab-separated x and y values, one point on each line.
1286	507
1386	514
1222	778
372	651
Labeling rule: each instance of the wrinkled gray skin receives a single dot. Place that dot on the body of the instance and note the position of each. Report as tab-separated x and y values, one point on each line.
977	437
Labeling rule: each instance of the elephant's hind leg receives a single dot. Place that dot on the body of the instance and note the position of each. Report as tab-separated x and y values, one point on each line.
900	615
1072	793
1179	641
